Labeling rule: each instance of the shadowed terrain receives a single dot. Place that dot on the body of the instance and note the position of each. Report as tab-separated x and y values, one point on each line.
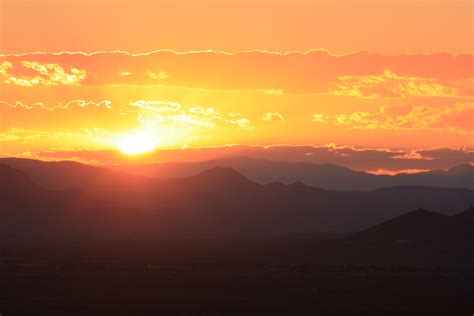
216	203
77	239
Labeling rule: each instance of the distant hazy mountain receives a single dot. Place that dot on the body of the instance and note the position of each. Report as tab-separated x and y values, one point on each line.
67	174
29	212
218	202
325	176
70	174
120	187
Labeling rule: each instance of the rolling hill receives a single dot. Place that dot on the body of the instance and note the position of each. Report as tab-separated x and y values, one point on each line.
416	238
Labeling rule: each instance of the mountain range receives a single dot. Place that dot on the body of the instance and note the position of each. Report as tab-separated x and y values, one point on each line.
81	201
326	176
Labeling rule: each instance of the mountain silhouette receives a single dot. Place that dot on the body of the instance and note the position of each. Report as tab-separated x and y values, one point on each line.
327	176
30	212
467	215
70	174
222	203
14	180
418	225
66	174
460	170
219	202
219	177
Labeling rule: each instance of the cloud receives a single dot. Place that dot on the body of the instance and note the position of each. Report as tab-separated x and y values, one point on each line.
319	117
157	106
154	113
171	122
4	66
400	100
149	112
392	85
160	75
410	117
318	71
273	91
41	105
74	116
43	74
86	136
412	155
394	172
273	116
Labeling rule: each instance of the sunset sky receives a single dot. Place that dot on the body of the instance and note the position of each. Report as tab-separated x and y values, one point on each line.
371	85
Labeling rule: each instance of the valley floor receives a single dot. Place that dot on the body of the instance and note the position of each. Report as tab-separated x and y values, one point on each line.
49	280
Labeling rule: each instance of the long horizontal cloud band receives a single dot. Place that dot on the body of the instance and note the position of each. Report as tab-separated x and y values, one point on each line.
362	73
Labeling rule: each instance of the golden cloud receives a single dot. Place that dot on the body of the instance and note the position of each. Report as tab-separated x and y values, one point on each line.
55	139
390	84
152	113
409	117
49	75
356	74
4	66
157	106
319	117
412	154
41	105
160	75
273	116
273	91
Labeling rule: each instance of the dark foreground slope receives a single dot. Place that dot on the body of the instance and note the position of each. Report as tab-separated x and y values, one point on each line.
416	238
396	268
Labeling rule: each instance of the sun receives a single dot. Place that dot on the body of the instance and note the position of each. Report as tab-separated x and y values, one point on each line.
136	142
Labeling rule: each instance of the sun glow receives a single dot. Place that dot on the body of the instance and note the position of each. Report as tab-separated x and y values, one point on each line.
136	143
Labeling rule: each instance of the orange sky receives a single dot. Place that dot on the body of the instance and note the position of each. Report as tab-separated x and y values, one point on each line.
410	89
384	26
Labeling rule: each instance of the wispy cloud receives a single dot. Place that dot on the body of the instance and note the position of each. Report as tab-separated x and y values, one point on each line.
273	116
391	85
273	91
319	117
46	74
406	117
356	74
41	105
